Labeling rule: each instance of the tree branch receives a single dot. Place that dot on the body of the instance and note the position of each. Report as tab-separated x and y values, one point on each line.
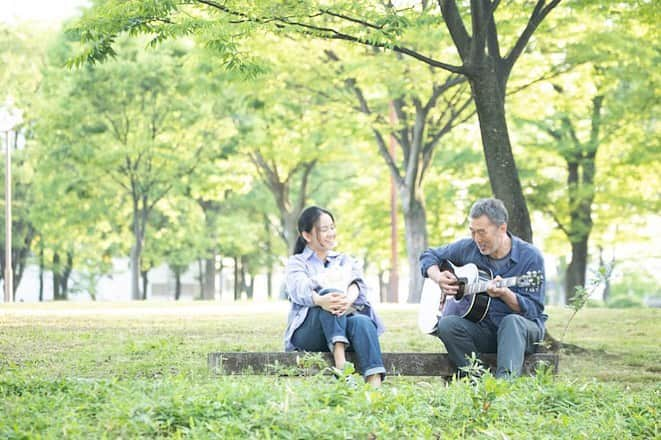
492	35
302	196
333	34
456	27
557	221
352	20
479	26
330	33
383	149
540	12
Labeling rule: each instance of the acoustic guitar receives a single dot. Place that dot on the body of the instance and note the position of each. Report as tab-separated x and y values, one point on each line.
471	302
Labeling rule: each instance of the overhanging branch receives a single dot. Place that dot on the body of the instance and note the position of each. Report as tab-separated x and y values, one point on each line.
334	34
540	12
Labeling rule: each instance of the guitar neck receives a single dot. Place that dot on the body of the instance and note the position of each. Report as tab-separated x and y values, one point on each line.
481	286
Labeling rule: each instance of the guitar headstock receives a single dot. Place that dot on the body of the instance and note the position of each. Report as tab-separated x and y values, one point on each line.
531	280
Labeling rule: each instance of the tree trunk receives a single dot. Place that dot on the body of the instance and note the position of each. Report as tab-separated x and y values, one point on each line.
140	216
245	286
136	252
200	278
177	284
57	275
250	287
41	271
384	288
503	173
415	221
66	273
237	281
607	268
393	279
221	279
209	283
144	274
577	268
135	270
581	169
289	221
269	258
19	269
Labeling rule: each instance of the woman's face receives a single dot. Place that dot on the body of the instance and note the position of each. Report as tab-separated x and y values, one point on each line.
322	237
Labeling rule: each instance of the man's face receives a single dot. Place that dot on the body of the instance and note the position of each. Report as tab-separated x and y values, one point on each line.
488	237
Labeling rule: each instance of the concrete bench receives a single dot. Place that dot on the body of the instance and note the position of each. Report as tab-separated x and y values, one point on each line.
403	364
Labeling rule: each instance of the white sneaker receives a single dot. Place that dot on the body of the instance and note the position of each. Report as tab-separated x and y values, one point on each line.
346	374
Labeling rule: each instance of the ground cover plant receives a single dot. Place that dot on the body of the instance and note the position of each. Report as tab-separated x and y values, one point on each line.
139	370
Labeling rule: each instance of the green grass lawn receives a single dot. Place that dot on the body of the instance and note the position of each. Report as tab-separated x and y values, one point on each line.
139	370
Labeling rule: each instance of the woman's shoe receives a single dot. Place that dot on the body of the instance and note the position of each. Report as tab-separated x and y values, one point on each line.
346	373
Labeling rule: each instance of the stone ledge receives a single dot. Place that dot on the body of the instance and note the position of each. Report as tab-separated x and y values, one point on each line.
403	364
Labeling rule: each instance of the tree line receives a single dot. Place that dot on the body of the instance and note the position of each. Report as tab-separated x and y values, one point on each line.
182	131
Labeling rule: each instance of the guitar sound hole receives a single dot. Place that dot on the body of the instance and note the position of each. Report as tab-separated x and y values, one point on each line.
462	289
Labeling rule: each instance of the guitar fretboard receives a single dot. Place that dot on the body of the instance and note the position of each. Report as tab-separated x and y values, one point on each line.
481	286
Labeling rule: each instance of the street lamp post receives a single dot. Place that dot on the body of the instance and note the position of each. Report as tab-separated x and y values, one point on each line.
9	117
9	273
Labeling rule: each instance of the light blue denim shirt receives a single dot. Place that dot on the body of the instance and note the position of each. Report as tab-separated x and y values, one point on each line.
299	284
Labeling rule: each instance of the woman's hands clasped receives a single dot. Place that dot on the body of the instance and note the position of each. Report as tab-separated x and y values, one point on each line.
336	303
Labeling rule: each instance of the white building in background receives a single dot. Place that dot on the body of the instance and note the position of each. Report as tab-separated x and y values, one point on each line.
117	286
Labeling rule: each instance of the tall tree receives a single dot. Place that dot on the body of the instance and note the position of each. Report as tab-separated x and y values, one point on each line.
287	135
178	238
144	133
481	59
586	115
22	55
418	115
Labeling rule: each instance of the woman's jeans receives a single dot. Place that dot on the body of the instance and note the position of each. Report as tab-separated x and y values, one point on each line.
321	330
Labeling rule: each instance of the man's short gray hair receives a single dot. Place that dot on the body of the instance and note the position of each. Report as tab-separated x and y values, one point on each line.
494	209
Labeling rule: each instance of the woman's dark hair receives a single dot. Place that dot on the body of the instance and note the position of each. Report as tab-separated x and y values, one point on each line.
306	221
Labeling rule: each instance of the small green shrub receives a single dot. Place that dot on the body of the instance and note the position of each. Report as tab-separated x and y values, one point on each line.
637	283
594	303
625	302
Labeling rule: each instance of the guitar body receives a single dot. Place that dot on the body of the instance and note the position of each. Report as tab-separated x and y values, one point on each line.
433	305
430	308
472	306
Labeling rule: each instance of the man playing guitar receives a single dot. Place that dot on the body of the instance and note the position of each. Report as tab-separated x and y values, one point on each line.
514	321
